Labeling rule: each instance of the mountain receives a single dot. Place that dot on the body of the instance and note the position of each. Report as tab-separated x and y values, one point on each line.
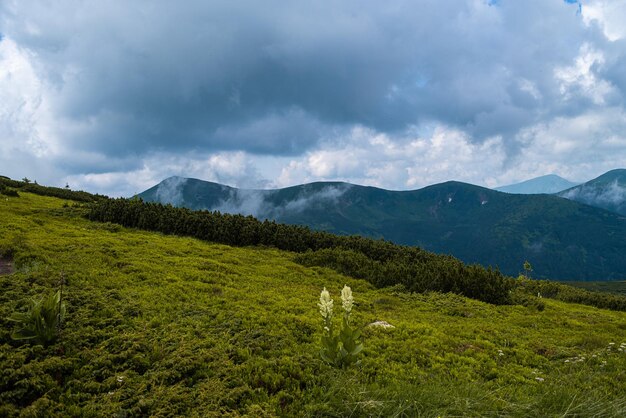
550	183
562	239
607	192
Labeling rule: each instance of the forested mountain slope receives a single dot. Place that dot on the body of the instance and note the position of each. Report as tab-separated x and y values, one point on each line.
607	192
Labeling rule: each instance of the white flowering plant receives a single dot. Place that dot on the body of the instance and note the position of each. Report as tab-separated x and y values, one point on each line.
339	349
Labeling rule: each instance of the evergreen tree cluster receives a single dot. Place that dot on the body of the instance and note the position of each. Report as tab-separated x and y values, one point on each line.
7	191
380	262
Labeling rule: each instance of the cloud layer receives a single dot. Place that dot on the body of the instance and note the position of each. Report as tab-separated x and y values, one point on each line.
113	97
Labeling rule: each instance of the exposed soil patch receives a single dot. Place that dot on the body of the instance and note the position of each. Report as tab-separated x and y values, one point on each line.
6	266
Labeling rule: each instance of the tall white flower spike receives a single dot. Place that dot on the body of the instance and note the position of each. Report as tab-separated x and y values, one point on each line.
347	301
325	305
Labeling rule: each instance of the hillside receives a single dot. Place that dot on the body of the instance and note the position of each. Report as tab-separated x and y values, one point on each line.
550	183
164	325
607	192
563	240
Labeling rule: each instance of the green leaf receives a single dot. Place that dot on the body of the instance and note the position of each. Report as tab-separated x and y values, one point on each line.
357	350
23	334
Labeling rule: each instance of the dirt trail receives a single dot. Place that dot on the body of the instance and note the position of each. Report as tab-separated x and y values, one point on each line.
6	266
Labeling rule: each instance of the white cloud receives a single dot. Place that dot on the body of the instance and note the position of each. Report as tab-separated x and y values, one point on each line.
612	194
27	138
530	88
581	78
21	104
373	158
609	14
578	148
115	184
230	168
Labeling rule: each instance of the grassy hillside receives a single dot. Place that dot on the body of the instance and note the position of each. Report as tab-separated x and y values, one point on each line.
164	326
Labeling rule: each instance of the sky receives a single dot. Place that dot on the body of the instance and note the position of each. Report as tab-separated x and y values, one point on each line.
114	96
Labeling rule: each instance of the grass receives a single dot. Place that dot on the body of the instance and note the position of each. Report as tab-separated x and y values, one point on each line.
165	326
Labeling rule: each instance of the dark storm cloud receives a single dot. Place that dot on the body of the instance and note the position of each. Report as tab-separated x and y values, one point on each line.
272	77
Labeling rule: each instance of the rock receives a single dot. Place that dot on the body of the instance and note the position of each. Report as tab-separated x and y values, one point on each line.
383	324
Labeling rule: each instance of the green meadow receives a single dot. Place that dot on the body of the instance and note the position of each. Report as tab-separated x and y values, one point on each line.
160	325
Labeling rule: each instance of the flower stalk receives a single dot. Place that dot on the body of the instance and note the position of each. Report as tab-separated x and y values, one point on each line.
341	349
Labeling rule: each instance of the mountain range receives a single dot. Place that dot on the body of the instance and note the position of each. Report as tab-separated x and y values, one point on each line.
563	239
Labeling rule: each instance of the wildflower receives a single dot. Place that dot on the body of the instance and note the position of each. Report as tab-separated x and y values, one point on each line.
326	305
539	379
567	361
339	349
347	301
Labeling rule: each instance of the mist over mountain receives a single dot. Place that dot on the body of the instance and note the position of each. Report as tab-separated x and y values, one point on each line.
562	239
263	204
550	183
607	192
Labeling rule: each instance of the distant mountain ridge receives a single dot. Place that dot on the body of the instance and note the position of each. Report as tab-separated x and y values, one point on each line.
563	239
607	191
550	183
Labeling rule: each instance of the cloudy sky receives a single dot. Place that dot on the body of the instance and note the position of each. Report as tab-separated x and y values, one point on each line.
114	96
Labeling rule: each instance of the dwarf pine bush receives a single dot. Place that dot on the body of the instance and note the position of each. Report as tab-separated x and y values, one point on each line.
339	349
42	320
